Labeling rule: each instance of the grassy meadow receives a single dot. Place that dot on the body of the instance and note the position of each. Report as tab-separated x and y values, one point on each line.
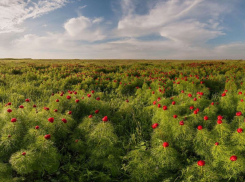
122	120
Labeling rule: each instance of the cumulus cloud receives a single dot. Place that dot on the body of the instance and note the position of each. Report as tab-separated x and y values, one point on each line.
185	27
189	21
14	12
83	28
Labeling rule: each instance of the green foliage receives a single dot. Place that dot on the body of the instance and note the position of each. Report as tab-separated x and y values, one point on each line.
129	146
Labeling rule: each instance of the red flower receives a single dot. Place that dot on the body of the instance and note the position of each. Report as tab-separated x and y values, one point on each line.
165	144
92	91
201	163
76	141
64	120
34	106
154	125
77	100
191	107
220	117
216	143
239	93
68	97
239	130
239	113
37	127
55	110
153	92
57	100
173	103
21	106
205	118
195	112
182	91
13	120
99	99
105	119
233	158
9	103
51	120
224	94
47	136
159	105
195	99
164	107
9	110
46	108
89	95
90	116
212	103
219	121
189	95
23	153
27	100
181	122
175	116
97	111
199	127
69	112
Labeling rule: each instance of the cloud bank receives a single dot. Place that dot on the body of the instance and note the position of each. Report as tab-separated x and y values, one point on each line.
181	29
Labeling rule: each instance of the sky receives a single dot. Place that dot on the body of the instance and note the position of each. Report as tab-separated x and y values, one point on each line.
122	29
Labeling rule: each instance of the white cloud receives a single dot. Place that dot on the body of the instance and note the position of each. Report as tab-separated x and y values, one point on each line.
186	21
14	12
187	25
83	28
81	7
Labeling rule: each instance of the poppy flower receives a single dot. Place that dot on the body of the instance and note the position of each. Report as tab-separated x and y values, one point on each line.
233	158
97	111
199	127
64	120
47	136
181	122
155	125
105	119
239	130
51	120
201	163
13	120
239	113
165	144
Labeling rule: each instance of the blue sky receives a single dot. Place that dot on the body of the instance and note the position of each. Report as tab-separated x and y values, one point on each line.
123	29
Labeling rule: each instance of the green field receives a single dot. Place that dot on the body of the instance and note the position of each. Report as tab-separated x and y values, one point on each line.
122	120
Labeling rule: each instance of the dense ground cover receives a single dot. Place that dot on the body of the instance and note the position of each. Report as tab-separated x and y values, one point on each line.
122	121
